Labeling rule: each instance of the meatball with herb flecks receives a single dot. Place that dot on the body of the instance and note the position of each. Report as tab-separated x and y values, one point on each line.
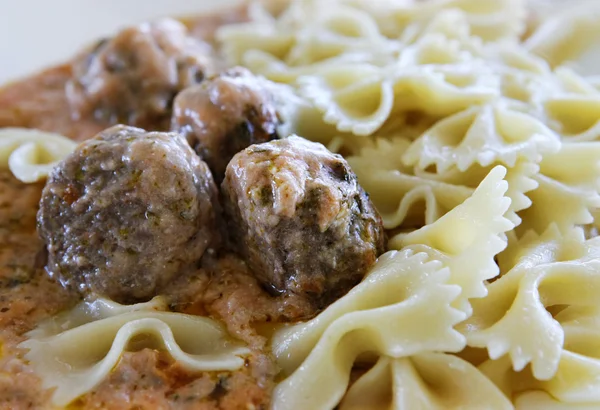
133	77
127	212
300	218
224	115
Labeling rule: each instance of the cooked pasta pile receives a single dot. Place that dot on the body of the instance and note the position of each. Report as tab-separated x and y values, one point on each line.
480	147
477	137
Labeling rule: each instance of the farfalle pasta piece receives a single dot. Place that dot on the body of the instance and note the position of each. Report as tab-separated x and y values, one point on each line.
571	105
546	271
91	310
262	32
532	249
581	327
516	58
502	20
401	198
569	188
449	28
355	97
571	82
433	49
31	154
263	63
435	67
526	331
306	33
555	202
74	352
382	314
421	200
385	154
468	238
336	30
492	133
539	400
299	117
551	246
314	47
413	200
492	21
526	92
587	316
424	381
520	183
359	98
574	116
409	125
520	180
575	383
568	37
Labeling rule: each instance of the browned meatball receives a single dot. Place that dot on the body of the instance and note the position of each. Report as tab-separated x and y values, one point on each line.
126	212
224	115
300	218
133	77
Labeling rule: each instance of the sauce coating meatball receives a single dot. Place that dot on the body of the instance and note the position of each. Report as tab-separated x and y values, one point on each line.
126	212
133	77
300	218
224	115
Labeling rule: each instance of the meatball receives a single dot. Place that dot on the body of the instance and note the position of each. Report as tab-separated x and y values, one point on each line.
224	115
126	212
300	218
133	77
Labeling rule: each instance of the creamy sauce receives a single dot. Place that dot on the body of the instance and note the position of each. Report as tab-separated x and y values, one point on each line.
145	379
27	294
40	102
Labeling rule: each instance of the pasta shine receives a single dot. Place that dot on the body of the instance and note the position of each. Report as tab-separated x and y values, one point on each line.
477	137
75	351
478	145
426	283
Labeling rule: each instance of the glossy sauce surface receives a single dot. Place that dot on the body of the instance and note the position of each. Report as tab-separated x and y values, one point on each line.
145	379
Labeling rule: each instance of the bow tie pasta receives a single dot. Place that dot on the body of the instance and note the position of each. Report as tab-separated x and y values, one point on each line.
434	381
75	351
407	197
427	99
386	312
474	128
